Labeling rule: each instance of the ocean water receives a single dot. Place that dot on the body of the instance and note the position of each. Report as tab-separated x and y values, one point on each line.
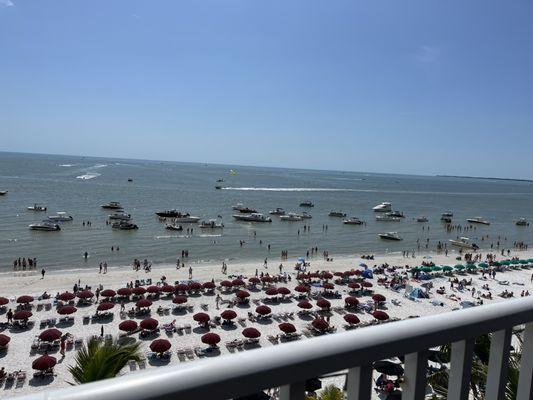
78	185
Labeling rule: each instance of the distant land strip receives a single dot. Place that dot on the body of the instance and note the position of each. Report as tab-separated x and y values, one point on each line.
485	177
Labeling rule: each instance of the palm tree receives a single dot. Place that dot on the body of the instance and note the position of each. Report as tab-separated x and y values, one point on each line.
97	360
332	392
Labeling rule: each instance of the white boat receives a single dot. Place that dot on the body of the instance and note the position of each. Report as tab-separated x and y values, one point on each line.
352	221
446	219
383	207
61	216
290	217
3	192
45	226
464	243
238	207
120	216
447	214
277	211
112	205
211	224
387	218
390	236
36	207
124	225
422	219
174	227
478	220
254	217
186	219
305	215
398	214
339	214
522	222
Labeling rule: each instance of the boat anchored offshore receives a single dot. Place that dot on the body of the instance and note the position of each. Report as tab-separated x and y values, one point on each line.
120	216
3	192
390	236
383	207
112	205
44	226
185	219
36	207
398	214
387	218
61	216
277	211
168	213
464	243
478	220
124	225
292	217
522	222
254	217
172	227
352	221
211	224
305	215
339	214
422	219
306	204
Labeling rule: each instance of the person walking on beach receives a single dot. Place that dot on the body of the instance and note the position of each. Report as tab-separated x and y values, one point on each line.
42	273
9	316
102	331
100	268
265	264
190	272
217	300
62	347
105	267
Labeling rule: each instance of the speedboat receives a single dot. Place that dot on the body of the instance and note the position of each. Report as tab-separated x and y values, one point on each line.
383	207
218	187
247	210
45	226
238	207
390	236
211	224
293	217
464	243
124	225
254	217
36	207
120	215
522	222
168	213
339	214
3	192
220	180
422	219
61	216
446	219
112	205
172	227
447	214
277	211
186	218
306	204
130	179
387	218
305	215
352	221
398	214
478	220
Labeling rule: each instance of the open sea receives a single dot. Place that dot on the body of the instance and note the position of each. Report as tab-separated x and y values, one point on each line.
79	185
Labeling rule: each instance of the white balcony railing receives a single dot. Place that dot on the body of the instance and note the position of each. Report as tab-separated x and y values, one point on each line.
288	366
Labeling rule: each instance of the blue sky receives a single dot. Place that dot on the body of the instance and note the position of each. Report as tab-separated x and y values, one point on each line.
386	86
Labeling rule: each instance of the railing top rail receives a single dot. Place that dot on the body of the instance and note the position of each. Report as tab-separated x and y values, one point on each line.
247	372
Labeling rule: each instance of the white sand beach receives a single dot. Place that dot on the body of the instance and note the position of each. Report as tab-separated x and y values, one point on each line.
19	354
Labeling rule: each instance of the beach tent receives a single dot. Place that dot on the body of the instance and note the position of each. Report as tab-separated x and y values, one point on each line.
417	293
367	273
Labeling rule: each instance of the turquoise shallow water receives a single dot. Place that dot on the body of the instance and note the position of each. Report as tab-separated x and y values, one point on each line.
79	185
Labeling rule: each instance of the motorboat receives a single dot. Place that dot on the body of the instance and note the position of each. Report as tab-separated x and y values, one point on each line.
168	213
173	227
446	219
112	205
390	236
305	215
293	217
306	204
352	221
254	217
220	180
211	224
398	214
387	218
522	222
383	207
478	220
238	207
339	214
36	207
61	216
124	225
447	214
277	211
218	187
130	179
120	216
3	192
422	219
464	243
185	219
45	226
247	210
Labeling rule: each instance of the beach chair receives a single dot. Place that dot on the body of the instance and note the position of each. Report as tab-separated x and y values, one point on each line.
189	352
273	339
199	351
187	328
133	365
43	323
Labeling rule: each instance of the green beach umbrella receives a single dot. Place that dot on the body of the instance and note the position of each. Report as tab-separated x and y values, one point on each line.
483	265
436	268
470	266
514	262
523	262
496	263
530	260
415	269
447	268
426	269
505	262
459	267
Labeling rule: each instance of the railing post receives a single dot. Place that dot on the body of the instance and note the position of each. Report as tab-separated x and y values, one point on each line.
292	391
525	379
359	383
415	376
460	369
498	363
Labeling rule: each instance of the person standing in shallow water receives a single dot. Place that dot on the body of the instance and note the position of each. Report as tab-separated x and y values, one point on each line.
42	273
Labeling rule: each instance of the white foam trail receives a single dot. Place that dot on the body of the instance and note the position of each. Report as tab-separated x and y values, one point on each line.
66	165
88	176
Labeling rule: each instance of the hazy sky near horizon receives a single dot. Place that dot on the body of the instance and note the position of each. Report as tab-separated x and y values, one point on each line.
419	86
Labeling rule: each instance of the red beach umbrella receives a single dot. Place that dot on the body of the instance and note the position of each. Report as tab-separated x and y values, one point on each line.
208	285
352	319
4	340
287	327
380	315
366	284
351	301
22	314
128	325
266	279
237	282
182	287
354	285
201	317
169	288
254	280
251	333
124	291
160	345
305	305
25	299
149	324
241	294
320	324
66	296
179	300
139	290
284	291
144	303
44	362
226	284
379	298
326	275
323	303
328	286
302	288
195	286
66	310
106	305
108	293
263	310
49	335
271	291
3	301
338	273
228	314
152	289
85	294
210	339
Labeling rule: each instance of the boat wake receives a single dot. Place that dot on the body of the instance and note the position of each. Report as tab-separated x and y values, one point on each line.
89	172
66	165
88	176
274	189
